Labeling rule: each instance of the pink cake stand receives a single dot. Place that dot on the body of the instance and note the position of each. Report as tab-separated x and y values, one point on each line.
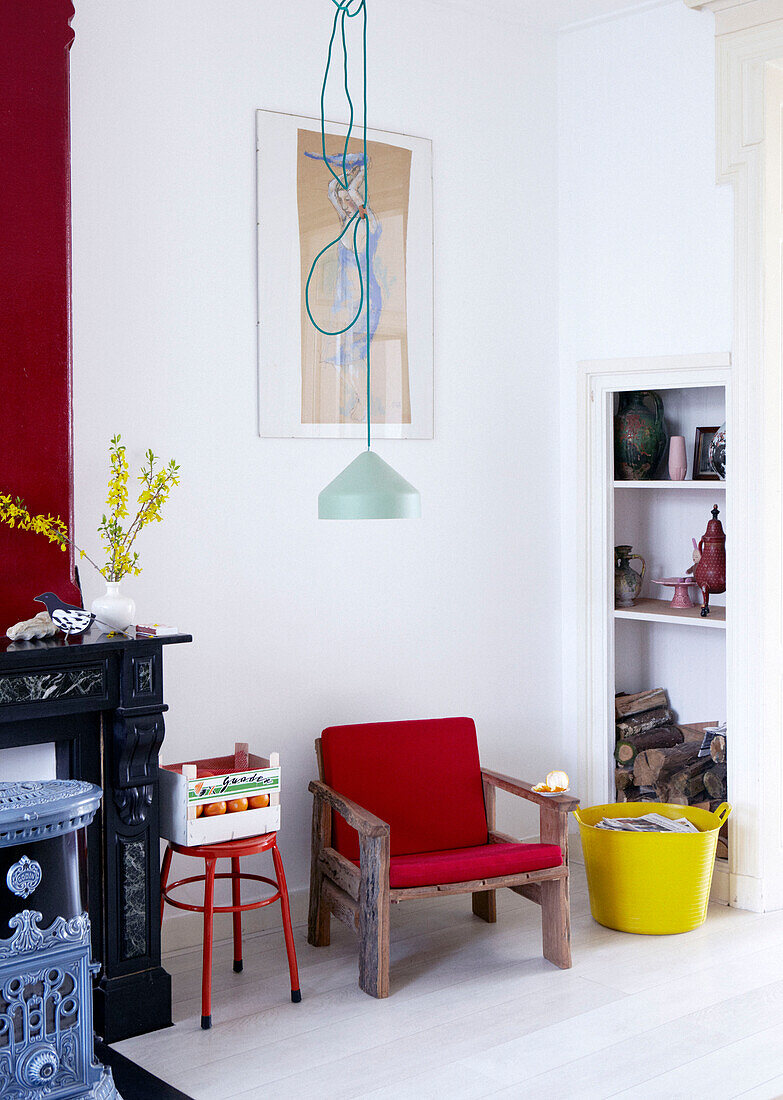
681	597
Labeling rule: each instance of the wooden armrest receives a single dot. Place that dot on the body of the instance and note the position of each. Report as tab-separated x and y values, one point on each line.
365	823
562	802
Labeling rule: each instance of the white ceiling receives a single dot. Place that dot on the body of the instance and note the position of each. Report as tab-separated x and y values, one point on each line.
552	14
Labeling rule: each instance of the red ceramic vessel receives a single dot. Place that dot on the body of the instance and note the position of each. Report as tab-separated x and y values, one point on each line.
710	571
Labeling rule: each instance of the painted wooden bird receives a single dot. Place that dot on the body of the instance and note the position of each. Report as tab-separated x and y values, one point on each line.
66	617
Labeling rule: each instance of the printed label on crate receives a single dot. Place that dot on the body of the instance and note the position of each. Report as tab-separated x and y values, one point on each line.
233	785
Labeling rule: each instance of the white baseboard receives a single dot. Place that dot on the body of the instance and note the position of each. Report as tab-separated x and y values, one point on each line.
184	931
575	853
746	892
720	890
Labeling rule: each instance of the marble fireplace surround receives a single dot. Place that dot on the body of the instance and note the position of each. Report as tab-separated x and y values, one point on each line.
99	700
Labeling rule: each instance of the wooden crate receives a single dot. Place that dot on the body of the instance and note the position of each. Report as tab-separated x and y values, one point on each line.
192	783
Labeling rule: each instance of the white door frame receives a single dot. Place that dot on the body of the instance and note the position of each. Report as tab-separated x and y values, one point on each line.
749	40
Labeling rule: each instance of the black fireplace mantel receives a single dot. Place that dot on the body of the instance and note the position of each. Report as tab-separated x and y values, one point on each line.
99	700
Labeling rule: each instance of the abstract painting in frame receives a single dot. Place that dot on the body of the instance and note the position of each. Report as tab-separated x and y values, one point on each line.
311	384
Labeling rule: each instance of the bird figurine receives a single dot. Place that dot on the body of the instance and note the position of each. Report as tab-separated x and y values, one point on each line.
65	616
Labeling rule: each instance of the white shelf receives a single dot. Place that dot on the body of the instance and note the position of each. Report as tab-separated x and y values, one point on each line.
710	485
661	611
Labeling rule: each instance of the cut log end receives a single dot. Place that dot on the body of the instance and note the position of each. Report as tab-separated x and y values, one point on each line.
625	705
715	781
718	748
628	748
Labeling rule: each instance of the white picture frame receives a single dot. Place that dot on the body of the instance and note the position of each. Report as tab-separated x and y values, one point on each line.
284	402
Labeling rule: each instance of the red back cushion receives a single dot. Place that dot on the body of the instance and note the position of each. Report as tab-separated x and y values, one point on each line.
423	777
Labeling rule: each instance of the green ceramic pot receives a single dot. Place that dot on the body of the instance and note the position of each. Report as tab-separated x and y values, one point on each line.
639	436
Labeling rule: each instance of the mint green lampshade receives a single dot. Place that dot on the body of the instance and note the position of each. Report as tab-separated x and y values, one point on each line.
369	489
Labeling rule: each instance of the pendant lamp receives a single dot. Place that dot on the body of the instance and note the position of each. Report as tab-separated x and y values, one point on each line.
368	488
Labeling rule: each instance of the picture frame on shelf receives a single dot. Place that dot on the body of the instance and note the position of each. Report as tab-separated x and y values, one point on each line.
702	470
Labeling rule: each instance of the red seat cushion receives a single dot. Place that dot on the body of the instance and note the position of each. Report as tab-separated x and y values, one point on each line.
423	777
465	864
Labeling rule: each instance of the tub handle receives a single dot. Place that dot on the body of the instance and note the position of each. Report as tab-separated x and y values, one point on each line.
722	812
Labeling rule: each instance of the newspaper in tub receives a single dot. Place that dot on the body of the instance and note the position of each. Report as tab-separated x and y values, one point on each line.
648	823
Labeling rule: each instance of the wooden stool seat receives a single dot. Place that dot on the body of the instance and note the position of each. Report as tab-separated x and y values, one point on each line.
233	850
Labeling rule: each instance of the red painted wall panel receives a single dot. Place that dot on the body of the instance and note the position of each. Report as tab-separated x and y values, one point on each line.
35	345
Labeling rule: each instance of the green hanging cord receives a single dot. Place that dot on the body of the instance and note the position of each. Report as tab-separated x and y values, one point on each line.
367	254
346	227
366	215
343	11
347	96
343	182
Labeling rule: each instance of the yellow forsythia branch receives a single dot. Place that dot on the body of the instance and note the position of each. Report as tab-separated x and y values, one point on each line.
156	486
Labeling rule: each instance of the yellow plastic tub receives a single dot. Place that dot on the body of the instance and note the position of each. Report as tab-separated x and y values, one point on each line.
650	883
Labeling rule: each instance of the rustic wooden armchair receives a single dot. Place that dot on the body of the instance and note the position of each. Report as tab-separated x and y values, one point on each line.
405	810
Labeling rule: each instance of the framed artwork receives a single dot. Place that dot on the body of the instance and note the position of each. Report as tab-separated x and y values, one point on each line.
311	384
702	471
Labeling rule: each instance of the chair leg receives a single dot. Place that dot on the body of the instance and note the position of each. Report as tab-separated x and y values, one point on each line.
485	905
319	916
556	922
374	906
206	966
293	969
164	877
236	900
319	920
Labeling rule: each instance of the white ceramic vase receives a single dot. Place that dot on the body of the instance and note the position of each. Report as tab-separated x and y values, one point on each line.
678	459
112	610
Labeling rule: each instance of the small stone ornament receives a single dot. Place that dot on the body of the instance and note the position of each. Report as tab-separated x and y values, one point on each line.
41	626
65	616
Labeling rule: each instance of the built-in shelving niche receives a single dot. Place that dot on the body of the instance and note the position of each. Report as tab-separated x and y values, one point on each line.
655	645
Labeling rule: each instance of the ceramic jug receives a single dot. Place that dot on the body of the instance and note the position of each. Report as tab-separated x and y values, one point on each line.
709	568
639	435
627	582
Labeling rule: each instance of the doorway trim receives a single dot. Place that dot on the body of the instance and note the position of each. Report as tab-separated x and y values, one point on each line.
599	380
749	41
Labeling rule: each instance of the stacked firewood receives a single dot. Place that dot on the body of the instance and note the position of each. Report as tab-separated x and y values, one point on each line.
660	760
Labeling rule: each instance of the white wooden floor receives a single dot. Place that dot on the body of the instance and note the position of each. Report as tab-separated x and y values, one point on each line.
476	1011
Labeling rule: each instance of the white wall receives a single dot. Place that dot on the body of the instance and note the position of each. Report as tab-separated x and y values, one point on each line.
299	624
645	234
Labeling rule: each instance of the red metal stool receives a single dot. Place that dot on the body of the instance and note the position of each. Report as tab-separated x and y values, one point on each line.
233	850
